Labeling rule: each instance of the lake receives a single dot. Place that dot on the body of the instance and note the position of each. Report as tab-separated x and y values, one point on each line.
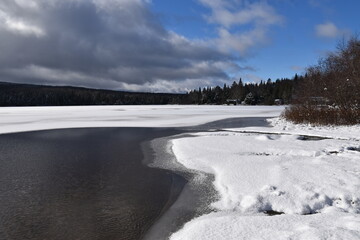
87	183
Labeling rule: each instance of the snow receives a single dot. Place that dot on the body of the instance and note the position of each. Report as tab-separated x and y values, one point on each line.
314	183
20	119
339	132
231	226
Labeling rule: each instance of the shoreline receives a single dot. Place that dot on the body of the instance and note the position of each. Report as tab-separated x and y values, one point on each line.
199	192
261	144
259	171
189	202
172	198
185	188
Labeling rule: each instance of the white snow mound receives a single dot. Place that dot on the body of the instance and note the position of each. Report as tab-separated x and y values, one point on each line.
314	183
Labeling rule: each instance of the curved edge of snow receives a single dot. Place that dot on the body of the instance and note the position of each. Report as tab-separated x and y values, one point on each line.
315	183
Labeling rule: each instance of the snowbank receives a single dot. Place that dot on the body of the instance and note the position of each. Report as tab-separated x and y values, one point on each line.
19	119
232	226
339	132
314	182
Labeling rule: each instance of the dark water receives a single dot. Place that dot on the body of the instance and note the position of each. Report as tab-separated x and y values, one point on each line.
81	184
88	183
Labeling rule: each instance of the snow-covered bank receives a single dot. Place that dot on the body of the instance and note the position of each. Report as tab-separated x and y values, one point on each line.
314	183
256	169
338	132
19	119
231	226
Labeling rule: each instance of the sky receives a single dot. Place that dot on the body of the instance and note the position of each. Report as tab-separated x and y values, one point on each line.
167	45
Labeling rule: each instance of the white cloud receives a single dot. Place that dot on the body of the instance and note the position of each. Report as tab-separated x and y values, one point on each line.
231	14
112	44
121	44
19	26
328	30
240	42
27	4
162	85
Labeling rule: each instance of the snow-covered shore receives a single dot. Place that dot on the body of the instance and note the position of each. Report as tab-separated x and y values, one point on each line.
313	182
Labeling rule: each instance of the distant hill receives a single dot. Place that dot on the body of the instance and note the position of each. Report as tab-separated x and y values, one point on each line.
13	94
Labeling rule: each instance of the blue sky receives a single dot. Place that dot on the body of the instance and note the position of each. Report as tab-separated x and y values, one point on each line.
167	45
291	46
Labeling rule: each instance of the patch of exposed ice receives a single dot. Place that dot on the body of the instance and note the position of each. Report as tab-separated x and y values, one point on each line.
20	119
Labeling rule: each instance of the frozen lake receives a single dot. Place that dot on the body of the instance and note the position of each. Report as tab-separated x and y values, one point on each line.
239	173
90	183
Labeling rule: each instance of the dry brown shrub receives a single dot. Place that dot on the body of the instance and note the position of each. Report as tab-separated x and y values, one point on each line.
322	116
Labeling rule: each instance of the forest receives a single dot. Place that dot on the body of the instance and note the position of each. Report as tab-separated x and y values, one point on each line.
265	93
37	95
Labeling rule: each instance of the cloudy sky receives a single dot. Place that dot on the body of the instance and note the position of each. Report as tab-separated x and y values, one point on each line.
167	45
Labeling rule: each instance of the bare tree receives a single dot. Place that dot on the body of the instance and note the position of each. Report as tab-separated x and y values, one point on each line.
330	91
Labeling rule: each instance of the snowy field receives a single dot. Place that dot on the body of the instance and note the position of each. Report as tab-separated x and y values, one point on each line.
313	182
20	119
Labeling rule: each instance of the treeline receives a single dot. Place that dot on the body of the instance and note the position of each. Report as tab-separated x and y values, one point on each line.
36	95
265	93
330	90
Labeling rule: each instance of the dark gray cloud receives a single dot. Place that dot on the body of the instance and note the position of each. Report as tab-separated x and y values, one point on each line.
117	44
